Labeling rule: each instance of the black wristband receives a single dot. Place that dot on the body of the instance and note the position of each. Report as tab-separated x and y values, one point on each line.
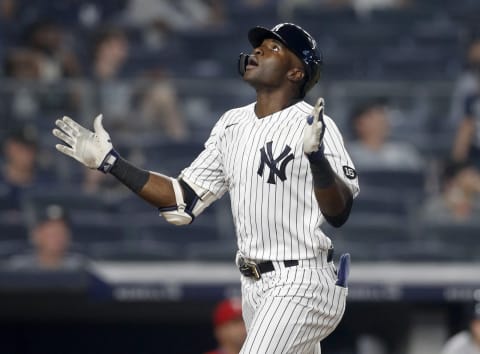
323	175
131	176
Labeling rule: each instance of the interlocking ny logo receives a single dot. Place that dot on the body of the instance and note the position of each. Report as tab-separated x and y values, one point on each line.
268	159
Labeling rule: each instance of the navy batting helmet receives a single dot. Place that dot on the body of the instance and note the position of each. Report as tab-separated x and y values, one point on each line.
295	38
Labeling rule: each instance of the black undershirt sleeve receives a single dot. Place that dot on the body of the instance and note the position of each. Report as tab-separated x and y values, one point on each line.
133	177
324	177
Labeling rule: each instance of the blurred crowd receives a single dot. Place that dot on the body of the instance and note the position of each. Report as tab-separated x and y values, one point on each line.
163	71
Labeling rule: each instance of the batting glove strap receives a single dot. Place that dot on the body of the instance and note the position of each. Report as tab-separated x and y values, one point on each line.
316	156
109	161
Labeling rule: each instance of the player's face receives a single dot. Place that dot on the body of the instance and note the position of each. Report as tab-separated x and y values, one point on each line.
269	65
232	333
475	328
52	238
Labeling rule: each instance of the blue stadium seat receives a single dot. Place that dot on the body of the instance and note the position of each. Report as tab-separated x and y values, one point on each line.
95	227
211	251
71	198
159	230
373	237
409	183
381	202
170	158
14	236
450	241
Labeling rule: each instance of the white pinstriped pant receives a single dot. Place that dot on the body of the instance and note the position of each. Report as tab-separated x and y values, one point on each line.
290	310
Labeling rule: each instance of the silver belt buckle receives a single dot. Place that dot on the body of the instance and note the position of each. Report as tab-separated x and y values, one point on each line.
249	268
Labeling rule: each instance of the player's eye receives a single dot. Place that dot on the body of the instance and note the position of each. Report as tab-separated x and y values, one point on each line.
275	48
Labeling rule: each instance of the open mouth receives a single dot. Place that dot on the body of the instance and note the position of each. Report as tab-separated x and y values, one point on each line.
252	62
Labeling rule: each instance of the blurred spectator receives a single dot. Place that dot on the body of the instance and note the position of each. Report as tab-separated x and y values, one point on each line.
158	106
179	15
467	341
46	60
287	7
19	170
7	10
364	7
361	7
22	100
50	237
466	110
8	24
372	148
57	61
468	83
254	4
459	201
229	327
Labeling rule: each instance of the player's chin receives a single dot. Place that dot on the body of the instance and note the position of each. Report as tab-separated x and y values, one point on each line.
250	76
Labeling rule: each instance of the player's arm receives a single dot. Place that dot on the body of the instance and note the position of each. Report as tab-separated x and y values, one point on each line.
466	130
333	196
463	139
178	201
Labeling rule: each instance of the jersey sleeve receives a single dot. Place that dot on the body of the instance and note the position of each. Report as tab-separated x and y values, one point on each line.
207	170
338	156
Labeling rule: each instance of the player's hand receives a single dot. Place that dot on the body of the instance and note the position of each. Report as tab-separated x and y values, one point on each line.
93	149
314	132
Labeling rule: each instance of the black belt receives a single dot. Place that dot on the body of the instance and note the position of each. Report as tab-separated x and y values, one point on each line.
255	270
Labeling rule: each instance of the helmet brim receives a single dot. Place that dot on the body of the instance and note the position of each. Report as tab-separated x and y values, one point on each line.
258	34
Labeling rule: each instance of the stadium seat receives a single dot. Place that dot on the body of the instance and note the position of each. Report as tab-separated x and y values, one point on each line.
374	237
73	199
453	241
411	183
14	235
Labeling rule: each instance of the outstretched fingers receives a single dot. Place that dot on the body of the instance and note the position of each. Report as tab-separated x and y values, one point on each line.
72	124
318	110
66	128
64	137
66	150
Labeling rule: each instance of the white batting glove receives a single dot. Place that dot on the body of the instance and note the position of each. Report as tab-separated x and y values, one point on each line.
93	149
314	132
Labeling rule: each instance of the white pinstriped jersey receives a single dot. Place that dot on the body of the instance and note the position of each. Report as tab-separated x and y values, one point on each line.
262	165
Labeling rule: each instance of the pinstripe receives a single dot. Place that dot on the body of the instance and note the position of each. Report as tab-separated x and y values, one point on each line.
311	313
282	311
302	309
243	167
325	303
291	309
292	313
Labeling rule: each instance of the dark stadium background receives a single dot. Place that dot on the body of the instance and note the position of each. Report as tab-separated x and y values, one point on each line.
412	279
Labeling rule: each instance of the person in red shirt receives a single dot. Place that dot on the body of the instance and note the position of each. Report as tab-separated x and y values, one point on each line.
229	328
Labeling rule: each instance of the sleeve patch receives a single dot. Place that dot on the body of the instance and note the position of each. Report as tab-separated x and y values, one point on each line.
349	172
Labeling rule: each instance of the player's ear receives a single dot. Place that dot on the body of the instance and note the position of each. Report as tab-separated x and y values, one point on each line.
295	75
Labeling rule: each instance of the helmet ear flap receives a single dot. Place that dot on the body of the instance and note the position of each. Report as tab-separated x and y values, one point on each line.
242	63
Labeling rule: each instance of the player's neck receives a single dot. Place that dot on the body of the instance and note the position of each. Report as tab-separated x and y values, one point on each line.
272	102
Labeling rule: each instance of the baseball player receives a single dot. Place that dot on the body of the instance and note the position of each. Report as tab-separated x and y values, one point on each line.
467	341
287	171
229	328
